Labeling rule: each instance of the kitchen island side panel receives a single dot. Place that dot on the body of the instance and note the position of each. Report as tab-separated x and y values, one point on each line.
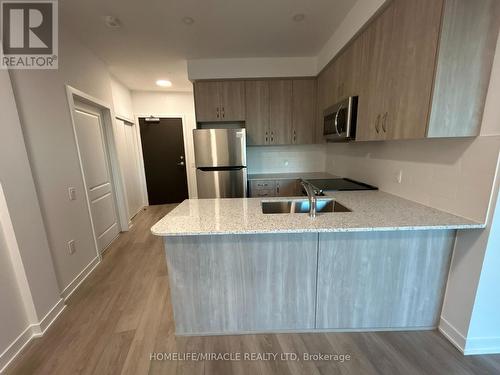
242	283
382	280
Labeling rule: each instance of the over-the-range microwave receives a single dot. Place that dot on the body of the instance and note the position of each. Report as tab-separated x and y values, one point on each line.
340	120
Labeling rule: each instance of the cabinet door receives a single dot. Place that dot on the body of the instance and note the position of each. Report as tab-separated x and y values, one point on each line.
207	101
280	115
257	112
353	69
303	112
373	105
417	26
320	106
287	188
232	100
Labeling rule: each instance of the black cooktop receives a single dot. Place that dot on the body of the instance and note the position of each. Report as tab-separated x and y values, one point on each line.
340	184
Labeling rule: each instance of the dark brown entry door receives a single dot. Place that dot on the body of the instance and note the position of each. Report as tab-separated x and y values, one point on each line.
164	160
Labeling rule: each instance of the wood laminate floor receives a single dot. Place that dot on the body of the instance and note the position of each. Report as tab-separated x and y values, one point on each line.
122	313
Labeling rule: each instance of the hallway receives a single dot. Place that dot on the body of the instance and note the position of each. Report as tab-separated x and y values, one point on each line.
122	313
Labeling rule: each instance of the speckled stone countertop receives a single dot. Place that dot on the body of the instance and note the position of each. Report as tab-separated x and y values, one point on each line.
291	176
371	211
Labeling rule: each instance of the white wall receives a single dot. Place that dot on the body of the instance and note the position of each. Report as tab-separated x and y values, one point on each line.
13	319
484	329
359	14
45	118
122	99
286	159
28	286
252	67
451	175
173	104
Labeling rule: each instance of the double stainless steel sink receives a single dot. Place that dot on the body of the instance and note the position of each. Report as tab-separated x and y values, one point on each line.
301	206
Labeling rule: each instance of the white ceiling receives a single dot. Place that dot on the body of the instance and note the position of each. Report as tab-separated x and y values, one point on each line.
154	43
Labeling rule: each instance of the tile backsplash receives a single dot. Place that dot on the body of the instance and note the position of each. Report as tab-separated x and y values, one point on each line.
286	159
454	175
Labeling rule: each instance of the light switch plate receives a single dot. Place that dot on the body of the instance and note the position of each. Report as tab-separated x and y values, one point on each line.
72	193
71	246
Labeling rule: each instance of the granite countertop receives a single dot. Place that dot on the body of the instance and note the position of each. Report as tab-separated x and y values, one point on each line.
371	211
291	176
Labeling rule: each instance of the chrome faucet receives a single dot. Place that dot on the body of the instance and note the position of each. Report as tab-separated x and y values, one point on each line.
311	195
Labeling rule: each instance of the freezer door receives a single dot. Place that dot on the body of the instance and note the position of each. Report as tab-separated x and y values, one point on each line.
220	147
222	183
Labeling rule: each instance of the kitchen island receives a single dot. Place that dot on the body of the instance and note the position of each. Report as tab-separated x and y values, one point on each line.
233	269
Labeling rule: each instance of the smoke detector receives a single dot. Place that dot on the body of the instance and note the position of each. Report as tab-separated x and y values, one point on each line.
112	22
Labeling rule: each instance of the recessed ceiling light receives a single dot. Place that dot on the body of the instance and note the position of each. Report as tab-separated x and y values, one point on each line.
112	22
299	17
188	20
163	83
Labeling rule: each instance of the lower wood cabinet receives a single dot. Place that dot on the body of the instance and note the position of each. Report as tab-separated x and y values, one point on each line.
223	284
262	188
376	280
274	188
242	283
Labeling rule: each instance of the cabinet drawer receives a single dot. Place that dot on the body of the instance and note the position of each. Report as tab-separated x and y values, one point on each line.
262	188
263	184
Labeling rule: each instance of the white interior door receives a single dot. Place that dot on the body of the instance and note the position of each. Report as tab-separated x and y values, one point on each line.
127	148
96	169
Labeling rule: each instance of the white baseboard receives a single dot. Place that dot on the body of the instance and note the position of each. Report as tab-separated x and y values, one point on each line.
452	334
482	345
15	348
51	316
73	285
32	331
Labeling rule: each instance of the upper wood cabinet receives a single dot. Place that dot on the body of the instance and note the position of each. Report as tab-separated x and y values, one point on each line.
420	69
217	101
415	41
467	44
303	110
257	112
374	102
207	101
280	112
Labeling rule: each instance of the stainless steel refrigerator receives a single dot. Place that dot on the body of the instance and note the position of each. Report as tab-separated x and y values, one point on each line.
221	163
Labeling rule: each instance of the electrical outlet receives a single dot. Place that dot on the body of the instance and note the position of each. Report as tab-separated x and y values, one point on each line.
398	176
71	246
72	193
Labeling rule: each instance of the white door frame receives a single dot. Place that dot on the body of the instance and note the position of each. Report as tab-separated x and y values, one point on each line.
185	134
116	177
138	154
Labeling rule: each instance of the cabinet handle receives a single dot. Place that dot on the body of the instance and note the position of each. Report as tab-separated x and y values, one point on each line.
223	112
294	136
272	137
377	124
218	113
266	137
384	123
278	189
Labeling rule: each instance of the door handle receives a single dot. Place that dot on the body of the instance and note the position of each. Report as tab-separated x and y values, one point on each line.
384	123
